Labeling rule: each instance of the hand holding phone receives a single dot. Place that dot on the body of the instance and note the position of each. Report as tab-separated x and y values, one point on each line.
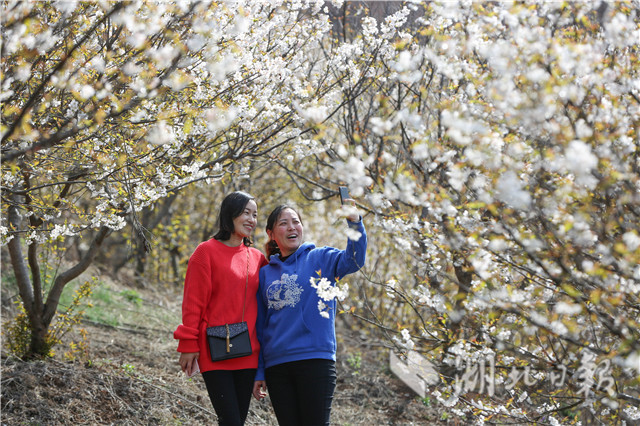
194	369
189	363
350	211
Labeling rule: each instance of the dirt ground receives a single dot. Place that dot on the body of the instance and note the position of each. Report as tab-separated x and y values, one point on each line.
130	376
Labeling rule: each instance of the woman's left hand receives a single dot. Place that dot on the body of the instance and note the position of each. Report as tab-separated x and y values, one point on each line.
352	212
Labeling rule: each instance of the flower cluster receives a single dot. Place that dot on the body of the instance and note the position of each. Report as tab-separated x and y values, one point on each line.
328	292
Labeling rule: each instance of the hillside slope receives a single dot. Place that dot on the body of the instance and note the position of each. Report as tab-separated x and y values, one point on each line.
130	375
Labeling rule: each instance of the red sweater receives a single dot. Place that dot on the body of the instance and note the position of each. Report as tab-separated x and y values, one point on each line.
214	295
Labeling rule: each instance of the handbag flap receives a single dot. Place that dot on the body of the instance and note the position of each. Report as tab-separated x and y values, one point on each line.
221	330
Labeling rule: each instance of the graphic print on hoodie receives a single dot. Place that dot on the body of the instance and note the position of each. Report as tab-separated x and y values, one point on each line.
284	292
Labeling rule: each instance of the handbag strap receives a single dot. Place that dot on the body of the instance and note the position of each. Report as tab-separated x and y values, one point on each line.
246	284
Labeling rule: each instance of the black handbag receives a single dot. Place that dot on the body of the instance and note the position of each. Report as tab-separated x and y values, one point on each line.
231	340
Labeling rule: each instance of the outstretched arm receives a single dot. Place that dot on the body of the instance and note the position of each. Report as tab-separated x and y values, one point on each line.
353	257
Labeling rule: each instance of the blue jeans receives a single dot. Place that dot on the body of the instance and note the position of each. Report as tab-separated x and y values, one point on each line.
230	394
301	392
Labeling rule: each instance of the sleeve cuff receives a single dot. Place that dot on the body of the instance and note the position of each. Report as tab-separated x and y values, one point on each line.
188	345
355	225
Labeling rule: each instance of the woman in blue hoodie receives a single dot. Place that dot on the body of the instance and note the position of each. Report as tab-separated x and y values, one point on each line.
298	345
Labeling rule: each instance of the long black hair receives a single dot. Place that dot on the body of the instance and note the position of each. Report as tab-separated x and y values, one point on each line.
232	206
271	247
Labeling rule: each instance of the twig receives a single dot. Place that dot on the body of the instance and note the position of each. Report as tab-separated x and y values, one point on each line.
172	394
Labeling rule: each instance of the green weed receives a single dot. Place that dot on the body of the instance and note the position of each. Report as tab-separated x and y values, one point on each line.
132	296
355	362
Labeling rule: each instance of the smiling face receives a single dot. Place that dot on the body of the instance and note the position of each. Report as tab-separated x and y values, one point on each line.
245	223
287	232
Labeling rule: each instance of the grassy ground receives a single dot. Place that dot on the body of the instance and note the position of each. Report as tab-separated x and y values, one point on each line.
122	369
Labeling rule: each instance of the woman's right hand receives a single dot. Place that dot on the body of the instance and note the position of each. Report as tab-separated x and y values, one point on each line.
187	361
259	389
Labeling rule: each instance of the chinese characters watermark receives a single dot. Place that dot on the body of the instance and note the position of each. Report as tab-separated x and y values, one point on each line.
480	376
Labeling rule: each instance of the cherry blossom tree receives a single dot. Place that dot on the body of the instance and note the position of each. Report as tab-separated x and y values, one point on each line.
493	145
496	146
111	107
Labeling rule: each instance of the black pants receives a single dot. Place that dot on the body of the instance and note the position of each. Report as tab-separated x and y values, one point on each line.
230	394
301	392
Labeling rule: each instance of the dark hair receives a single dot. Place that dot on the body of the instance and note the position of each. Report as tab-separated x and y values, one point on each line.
232	206
271	247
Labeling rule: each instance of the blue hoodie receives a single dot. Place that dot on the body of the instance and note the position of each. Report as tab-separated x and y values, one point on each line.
289	325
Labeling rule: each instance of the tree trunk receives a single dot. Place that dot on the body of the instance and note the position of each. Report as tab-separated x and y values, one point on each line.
40	316
53	298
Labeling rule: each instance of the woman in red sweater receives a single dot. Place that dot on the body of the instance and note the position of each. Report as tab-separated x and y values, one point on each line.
218	272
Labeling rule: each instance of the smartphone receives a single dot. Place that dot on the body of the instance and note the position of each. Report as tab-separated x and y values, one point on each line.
344	193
